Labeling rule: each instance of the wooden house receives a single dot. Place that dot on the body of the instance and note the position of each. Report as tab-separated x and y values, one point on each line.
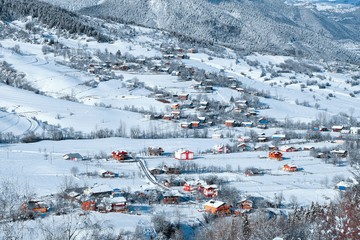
99	191
155	151
217	207
182	154
244	147
337	128
339	153
171	170
171	197
191	186
107	174
88	205
290	168
176	106
73	156
193	50
230	123
120	155
35	206
156	171
167	117
287	149
195	124
281	137
118	204
183	96
247	124
276	155
210	190
176	114
246	205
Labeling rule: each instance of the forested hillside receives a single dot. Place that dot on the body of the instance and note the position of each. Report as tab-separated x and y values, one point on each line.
50	15
271	27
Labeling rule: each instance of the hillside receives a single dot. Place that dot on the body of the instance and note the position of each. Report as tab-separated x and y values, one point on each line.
270	27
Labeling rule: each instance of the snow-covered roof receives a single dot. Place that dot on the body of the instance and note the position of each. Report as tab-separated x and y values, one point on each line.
118	200
214	203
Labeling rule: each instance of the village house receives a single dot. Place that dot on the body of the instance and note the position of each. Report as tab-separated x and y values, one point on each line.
73	156
280	137
244	147
118	204
195	124
290	168
276	155
245	205
216	207
191	186
176	114
182	154
210	190
176	106
171	170
107	174
339	153
247	124
167	117
193	50
183	96
171	197
185	125
98	191
120	155
152	151
355	130
230	123
88	205
155	171
220	148
337	128
35	206
287	149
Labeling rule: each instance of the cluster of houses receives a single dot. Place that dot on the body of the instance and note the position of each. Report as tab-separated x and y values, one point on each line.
101	198
219	208
201	187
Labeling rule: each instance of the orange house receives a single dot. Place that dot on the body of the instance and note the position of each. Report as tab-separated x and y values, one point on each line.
34	206
290	168
246	205
276	155
230	123
217	207
119	155
88	205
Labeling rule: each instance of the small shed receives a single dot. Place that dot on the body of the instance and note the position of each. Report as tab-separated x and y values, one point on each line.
73	156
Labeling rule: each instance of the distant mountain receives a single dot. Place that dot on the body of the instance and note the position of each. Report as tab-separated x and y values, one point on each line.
265	25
